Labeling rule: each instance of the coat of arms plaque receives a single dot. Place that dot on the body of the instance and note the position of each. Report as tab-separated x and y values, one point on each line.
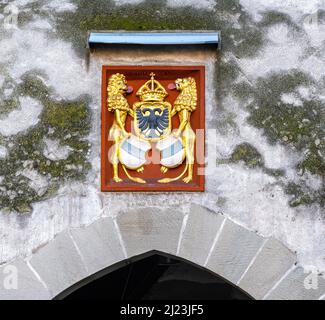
153	122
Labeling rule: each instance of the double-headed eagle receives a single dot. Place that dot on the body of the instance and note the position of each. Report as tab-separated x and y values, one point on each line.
153	121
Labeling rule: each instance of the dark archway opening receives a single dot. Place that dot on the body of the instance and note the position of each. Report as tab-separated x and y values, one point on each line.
155	276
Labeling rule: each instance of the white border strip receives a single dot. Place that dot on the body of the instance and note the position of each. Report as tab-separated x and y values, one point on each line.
184	224
252	261
215	241
118	231
280	280
38	277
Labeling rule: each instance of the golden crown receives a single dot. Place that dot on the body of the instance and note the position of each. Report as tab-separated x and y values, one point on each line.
152	90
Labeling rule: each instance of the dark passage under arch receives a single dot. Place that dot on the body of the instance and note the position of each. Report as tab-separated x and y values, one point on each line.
154	276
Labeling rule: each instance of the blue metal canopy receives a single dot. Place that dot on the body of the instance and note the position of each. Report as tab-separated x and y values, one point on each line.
155	38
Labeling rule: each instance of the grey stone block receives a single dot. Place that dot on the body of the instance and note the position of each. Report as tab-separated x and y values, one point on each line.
297	286
234	251
28	286
98	244
59	264
199	234
149	229
270	265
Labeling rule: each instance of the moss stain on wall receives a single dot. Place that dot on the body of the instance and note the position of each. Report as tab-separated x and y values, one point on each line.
68	122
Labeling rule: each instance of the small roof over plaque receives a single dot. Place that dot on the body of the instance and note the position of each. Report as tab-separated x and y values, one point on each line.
155	38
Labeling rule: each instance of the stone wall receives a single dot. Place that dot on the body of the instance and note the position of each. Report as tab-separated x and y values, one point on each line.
262	267
265	103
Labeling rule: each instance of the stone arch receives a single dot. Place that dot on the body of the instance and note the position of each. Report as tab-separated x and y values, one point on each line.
262	267
135	259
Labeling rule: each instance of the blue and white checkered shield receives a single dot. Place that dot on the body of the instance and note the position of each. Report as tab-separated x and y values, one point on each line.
133	152
172	152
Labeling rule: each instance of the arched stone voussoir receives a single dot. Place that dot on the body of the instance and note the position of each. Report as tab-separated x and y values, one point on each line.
200	230
59	264
148	229
234	250
19	282
266	269
299	284
98	244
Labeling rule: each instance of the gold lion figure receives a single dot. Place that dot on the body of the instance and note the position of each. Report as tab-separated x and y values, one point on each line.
184	105
118	104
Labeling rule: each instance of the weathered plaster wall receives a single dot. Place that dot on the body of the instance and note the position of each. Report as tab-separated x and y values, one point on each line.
265	100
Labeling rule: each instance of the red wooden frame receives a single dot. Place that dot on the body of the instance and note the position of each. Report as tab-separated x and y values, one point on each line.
136	76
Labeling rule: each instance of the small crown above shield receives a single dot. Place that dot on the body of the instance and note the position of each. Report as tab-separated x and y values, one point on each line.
152	90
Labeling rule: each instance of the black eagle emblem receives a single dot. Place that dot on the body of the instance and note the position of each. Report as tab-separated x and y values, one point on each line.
152	122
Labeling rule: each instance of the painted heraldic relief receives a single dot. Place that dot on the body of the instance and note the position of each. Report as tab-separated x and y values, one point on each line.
153	122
